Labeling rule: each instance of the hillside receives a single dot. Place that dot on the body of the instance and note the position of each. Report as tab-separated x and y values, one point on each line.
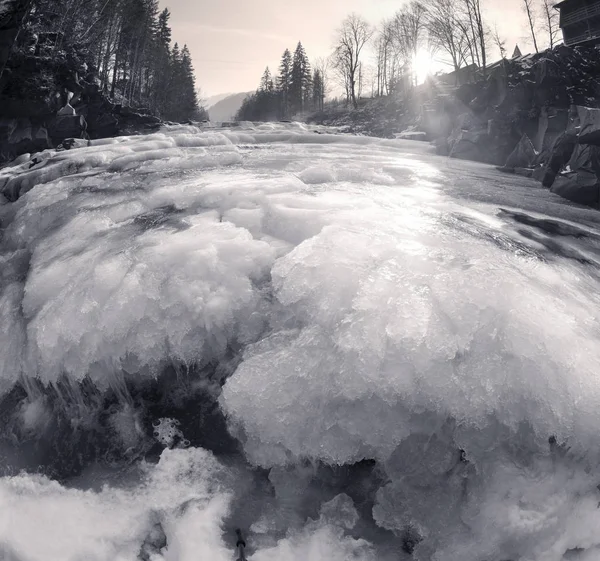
225	109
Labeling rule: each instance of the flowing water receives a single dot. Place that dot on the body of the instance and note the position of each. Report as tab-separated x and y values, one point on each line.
347	347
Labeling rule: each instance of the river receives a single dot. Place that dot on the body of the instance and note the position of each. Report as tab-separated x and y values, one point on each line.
347	347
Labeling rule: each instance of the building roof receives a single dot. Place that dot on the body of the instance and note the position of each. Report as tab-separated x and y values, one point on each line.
565	2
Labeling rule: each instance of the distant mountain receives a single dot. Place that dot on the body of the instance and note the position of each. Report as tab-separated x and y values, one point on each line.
213	99
226	108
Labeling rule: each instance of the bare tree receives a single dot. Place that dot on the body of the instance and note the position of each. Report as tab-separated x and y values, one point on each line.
499	42
353	35
475	29
408	31
530	11
550	22
383	50
444	31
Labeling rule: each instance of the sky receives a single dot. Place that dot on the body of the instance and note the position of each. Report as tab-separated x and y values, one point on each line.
232	41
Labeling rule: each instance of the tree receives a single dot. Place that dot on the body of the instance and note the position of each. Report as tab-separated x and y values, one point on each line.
301	77
11	19
266	82
186	92
322	66
475	30
408	30
318	95
123	46
530	11
550	22
352	37
499	42
445	32
284	82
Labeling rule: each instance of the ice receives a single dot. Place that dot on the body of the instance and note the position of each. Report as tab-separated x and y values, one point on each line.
361	300
187	492
324	538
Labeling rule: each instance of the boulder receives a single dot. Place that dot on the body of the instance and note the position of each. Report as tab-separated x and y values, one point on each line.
523	156
131	122
552	123
40	139
562	152
67	110
470	145
589	125
581	187
441	146
580	181
67	126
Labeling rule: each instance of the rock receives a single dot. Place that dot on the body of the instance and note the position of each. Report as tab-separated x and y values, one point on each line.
469	121
470	145
580	182
131	122
589	125
584	157
581	187
551	124
538	173
40	139
67	110
73	143
525	172
103	125
441	146
22	133
523	156
67	126
561	154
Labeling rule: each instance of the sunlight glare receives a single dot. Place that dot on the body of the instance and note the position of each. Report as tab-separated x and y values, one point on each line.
423	65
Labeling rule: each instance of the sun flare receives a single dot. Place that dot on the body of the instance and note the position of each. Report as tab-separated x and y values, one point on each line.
423	65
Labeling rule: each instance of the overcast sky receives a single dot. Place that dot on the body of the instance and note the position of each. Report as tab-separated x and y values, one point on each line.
232	41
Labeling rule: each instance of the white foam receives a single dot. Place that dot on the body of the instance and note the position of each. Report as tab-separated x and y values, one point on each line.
187	493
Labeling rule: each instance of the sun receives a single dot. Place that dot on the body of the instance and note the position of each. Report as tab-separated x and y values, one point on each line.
423	65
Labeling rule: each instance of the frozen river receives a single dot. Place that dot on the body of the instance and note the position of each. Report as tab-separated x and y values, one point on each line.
350	347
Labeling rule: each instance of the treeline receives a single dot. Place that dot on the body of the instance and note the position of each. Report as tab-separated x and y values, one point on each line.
454	32
295	89
127	48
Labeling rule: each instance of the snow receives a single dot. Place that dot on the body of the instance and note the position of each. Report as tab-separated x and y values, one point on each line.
386	305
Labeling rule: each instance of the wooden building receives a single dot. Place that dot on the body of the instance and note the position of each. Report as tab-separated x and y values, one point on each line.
580	21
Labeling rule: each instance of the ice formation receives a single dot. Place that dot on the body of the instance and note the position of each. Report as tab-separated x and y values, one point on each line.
360	300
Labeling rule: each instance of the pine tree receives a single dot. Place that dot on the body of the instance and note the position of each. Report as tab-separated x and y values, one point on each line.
126	48
318	93
284	83
266	82
188	98
300	81
162	61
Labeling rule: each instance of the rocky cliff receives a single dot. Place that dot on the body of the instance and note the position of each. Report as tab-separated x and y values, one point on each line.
537	116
